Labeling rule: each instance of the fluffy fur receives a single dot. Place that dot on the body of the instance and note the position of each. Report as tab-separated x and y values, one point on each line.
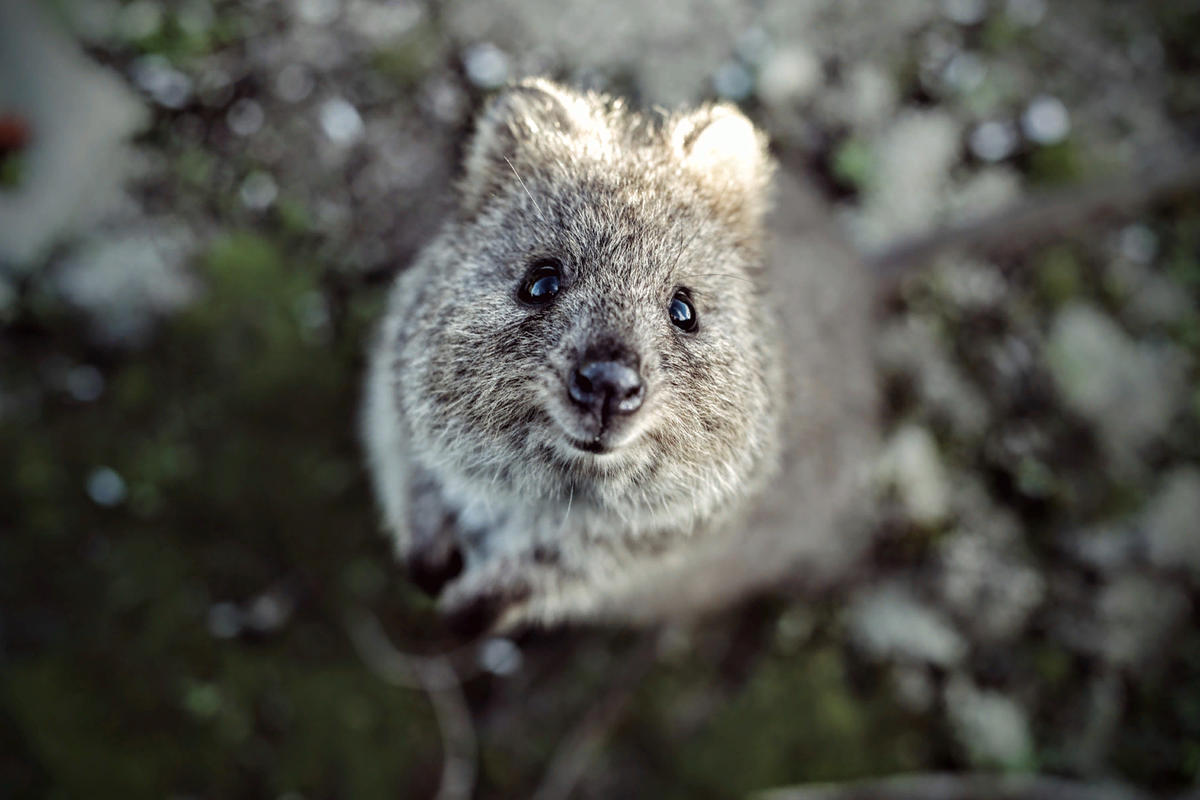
468	425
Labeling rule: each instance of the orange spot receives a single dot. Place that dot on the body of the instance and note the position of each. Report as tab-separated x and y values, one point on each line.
14	133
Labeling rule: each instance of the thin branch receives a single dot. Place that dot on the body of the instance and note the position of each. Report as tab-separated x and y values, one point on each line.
573	758
948	786
1041	219
437	678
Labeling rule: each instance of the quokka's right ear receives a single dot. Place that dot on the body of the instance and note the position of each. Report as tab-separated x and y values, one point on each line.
527	115
729	156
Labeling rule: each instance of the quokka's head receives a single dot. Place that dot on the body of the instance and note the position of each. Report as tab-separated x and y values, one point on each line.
597	326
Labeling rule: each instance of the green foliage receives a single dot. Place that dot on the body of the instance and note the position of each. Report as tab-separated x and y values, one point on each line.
12	168
854	163
797	721
1058	276
1056	164
234	434
1001	33
1161	740
408	60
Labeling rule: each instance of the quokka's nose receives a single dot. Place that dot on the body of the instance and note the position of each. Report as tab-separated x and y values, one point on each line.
607	388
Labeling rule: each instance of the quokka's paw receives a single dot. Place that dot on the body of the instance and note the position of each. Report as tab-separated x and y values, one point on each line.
434	565
432	555
485	602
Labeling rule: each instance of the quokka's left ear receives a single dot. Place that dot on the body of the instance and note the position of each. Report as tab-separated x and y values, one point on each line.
530	114
729	157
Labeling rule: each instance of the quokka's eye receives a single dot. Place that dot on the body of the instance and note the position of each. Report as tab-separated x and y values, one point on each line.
542	283
683	313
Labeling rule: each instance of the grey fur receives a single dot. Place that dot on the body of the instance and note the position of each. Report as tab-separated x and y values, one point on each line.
468	426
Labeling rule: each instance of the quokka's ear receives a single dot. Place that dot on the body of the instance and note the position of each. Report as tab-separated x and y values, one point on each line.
729	158
530	114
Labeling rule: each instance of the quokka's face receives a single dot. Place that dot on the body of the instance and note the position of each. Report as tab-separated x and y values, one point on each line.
597	330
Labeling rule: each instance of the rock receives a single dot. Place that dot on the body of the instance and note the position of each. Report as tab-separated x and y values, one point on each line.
905	192
988	587
1124	276
1138	615
889	624
486	65
972	506
1026	12
911	348
670	49
81	115
1172	522
970	286
1046	120
965	12
873	96
500	657
790	76
911	464
8	301
1138	243
1108	549
992	727
865	101
1088	753
124	281
1158	301
168	86
733	81
381	23
994	140
1129	391
988	193
914	687
341	122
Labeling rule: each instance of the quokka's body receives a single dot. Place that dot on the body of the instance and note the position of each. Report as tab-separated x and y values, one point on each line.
582	404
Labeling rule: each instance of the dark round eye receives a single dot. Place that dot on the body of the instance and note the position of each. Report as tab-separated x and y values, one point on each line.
683	313
542	282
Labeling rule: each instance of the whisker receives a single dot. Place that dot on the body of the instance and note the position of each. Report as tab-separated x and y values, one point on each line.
570	499
712	210
716	275
526	188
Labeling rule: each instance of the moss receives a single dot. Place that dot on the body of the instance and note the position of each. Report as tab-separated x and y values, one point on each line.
1056	164
1052	664
12	170
407	61
330	727
1058	275
195	168
174	42
797	721
1000	34
1035	479
853	163
293	216
234	432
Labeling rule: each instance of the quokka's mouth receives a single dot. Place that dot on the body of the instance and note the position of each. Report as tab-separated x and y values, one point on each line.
595	446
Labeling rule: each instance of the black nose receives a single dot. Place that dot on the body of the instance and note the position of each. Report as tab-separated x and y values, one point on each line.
606	388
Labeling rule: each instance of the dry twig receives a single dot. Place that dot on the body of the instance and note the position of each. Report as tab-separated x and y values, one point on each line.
581	746
437	678
1039	220
947	786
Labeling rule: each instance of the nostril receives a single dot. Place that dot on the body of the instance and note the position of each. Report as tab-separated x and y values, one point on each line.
605	388
582	389
629	399
581	381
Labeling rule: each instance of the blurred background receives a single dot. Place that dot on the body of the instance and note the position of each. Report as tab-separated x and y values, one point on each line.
201	205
